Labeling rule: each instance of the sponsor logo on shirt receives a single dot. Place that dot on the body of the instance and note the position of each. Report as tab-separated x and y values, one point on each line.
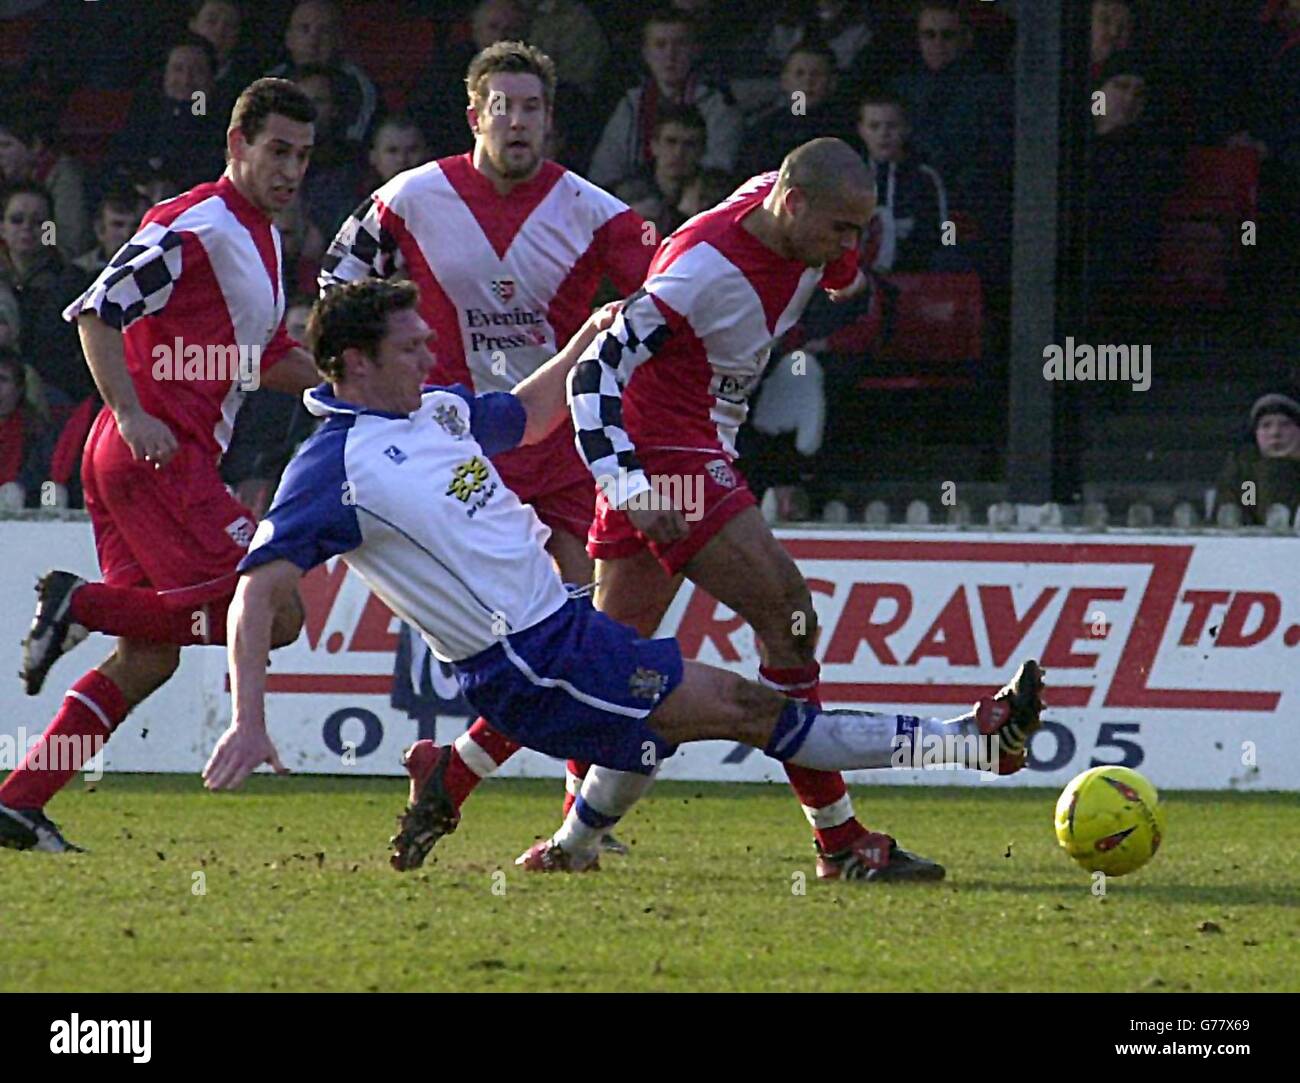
468	481
494	330
503	289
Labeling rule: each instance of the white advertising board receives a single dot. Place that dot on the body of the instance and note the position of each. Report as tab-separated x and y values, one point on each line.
1168	653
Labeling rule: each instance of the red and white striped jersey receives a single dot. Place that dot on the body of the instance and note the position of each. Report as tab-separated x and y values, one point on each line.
505	280
198	297
676	369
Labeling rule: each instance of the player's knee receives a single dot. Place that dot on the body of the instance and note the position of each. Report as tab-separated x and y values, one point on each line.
745	702
150	664
287	622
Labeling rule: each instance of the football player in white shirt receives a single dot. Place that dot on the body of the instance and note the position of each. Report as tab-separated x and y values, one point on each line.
464	562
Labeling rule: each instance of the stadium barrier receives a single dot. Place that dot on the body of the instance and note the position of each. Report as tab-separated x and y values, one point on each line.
1165	650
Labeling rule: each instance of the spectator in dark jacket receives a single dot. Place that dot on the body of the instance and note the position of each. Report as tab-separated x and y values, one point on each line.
221	22
314	36
960	116
805	110
438	105
44	284
911	203
1130	171
24	438
28	153
175	129
1266	470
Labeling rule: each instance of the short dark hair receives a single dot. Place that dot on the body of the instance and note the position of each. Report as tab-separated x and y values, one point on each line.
668	15
509	56
355	315
673	113
190	40
196	6
265	96
27	120
119	201
882	97
956	7
813	47
403	122
26	188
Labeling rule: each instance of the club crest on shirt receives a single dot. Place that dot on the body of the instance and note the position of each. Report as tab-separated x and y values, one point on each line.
647	683
241	531
449	418
721	472
503	289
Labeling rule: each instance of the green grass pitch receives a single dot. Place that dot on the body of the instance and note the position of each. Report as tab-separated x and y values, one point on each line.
718	894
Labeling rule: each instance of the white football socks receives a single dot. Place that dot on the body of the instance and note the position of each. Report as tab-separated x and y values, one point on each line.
604	799
857	740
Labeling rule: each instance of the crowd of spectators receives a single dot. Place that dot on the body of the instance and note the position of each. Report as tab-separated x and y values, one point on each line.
668	106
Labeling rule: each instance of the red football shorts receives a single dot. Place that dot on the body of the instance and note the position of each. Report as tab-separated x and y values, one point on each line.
707	479
175	529
551	477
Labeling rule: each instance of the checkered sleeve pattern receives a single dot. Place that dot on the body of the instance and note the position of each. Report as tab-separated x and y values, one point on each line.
363	248
596	396
137	282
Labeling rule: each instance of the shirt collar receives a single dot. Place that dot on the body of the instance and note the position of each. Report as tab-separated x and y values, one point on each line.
321	402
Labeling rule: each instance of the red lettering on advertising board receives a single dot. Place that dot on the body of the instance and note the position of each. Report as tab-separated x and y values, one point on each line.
1071	626
319	588
1005	630
1202	602
950	636
1234	634
856	626
372	632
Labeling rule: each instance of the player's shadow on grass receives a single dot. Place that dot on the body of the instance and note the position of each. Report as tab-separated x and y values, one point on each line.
1218	894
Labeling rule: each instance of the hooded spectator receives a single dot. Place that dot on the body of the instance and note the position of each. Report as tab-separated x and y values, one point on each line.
1265	470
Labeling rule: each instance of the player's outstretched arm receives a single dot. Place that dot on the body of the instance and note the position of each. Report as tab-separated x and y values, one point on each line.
543	395
245	745
146	436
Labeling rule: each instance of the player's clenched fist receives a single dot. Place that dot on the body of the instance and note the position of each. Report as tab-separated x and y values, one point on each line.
240	752
147	437
665	526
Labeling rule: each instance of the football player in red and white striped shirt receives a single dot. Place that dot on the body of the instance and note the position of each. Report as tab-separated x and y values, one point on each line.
657	401
508	249
185	318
